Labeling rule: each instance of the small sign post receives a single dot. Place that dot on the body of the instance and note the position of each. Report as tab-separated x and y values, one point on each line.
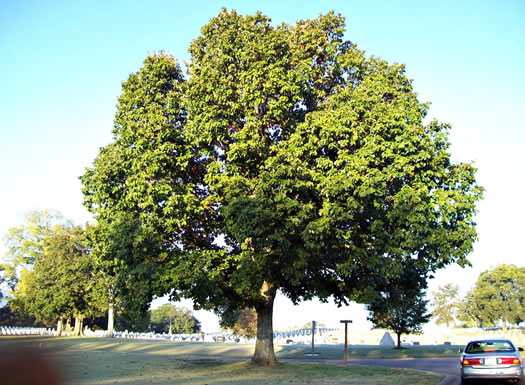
313	354
346	322
313	337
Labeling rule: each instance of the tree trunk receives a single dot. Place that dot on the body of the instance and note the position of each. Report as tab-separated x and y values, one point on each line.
76	329
264	354
111	320
398	340
504	324
60	326
68	326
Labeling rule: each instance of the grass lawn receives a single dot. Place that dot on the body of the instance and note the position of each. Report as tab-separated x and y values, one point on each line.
92	361
357	352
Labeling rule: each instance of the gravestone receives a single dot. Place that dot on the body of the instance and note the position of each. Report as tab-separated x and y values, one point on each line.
387	340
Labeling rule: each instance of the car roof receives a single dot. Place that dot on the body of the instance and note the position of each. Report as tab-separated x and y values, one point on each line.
489	341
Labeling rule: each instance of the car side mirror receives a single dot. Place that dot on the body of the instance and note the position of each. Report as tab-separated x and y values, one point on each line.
520	349
460	350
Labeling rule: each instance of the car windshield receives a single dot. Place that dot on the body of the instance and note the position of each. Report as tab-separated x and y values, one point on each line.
489	347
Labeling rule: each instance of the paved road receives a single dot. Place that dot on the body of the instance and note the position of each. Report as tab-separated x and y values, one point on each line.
441	365
448	366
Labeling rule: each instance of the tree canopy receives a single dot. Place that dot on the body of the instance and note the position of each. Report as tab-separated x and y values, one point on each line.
63	282
498	296
286	160
25	243
52	273
471	312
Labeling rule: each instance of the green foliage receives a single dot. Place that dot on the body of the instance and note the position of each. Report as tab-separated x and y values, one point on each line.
471	312
287	161
132	321
25	243
63	281
118	246
399	304
246	324
445	304
9	317
137	188
170	319
498	295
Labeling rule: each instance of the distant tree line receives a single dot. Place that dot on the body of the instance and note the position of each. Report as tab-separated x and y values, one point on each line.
54	278
497	298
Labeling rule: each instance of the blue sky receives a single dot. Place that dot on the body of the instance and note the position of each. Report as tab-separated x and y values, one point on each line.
62	63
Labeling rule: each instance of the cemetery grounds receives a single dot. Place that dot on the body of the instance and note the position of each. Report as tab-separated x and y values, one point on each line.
95	361
101	361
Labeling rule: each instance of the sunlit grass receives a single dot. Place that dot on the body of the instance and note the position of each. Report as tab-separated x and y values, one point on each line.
158	370
89	361
235	350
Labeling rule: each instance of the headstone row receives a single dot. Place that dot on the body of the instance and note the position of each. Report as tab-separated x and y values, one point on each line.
23	331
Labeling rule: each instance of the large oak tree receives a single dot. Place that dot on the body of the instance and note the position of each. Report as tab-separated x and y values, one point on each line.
286	160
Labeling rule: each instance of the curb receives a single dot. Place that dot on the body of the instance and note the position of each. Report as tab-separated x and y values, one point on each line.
450	380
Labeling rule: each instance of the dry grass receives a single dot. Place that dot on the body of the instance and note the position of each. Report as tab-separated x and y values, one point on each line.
100	362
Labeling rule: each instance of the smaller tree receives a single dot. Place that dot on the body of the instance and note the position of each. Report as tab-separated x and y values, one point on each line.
399	305
246	324
169	318
499	295
445	304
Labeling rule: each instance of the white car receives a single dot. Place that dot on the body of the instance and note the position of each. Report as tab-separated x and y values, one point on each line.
491	359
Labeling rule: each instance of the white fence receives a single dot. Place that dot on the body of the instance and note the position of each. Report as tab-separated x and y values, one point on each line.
24	331
222	337
196	337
